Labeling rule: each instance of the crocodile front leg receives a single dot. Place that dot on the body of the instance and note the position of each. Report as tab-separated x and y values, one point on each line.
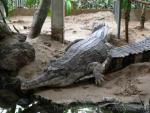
97	69
106	64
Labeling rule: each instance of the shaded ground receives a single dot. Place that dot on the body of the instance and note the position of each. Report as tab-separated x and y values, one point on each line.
128	84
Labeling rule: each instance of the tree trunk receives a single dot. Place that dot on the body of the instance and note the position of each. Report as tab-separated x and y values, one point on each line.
126	26
142	20
127	18
39	18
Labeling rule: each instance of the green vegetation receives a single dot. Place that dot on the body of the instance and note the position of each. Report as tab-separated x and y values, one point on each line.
74	4
31	3
126	5
68	7
95	4
9	5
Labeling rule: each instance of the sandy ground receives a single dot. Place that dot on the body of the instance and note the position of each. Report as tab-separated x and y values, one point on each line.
131	83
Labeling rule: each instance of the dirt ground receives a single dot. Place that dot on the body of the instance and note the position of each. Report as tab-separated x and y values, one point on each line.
131	83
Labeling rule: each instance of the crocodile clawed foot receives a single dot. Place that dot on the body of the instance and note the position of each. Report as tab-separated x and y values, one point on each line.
97	69
99	79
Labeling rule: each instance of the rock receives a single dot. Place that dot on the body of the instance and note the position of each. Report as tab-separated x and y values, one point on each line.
14	57
4	30
11	94
9	83
21	37
14	38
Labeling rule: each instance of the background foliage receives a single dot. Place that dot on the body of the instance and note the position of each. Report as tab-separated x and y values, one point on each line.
95	4
74	4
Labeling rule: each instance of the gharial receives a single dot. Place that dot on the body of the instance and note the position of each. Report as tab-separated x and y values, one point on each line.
93	56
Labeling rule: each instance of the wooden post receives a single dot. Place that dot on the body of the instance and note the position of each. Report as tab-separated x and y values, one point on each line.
57	21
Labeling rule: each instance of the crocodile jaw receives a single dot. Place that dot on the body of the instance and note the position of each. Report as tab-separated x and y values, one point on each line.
46	80
41	80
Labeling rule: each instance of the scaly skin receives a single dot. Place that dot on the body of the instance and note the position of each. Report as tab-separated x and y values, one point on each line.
75	63
120	57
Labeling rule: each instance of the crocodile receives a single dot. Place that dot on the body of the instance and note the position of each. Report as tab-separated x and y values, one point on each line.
75	62
92	57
